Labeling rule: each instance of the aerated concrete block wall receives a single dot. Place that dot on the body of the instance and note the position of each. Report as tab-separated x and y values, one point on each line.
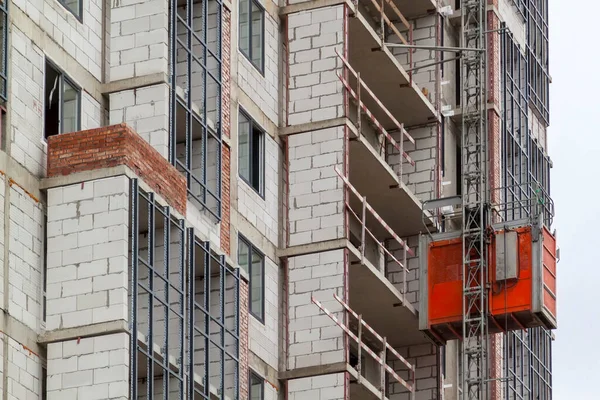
323	387
316	196
424	358
313	337
263	211
24	373
25	258
87	251
419	178
138	38
26	98
315	91
91	368
146	111
395	273
263	337
424	34
263	87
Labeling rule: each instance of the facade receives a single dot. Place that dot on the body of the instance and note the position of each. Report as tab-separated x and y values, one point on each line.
224	199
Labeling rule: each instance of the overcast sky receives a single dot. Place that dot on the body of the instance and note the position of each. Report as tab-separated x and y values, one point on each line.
574	141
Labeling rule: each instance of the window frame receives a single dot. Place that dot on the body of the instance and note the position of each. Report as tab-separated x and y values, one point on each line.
251	249
77	14
60	88
253	124
260	68
252	374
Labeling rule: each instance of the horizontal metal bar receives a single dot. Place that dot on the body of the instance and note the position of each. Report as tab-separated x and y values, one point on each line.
435	48
442	202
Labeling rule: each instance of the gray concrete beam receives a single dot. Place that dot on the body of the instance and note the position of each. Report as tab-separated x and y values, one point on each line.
312	248
307	372
314	4
21	333
21	176
315	126
135	83
264	369
100	329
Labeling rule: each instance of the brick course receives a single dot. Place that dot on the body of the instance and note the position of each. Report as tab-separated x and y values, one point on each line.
116	145
226	156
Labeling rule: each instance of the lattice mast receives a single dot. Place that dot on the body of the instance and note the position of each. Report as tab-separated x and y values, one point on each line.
475	371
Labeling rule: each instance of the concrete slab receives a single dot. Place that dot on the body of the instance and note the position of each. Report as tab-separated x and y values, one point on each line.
386	312
386	77
385	192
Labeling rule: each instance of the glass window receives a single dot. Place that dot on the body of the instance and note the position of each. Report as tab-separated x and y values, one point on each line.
62	103
252	261
252	21
256	387
251	152
3	49
74	6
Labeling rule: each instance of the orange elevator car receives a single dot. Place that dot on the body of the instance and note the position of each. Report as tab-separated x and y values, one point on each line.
521	280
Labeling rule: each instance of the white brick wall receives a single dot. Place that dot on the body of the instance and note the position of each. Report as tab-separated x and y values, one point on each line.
315	190
87	253
263	213
27	104
323	387
420	177
395	273
424	34
25	258
146	111
263	89
315	91
24	372
89	368
139	38
514	21
424	358
314	339
264	338
82	40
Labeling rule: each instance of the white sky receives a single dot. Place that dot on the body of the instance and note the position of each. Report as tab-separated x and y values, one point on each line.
575	149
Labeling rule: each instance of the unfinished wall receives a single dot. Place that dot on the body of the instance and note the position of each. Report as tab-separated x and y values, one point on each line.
146	111
395	273
323	387
81	40
89	368
264	337
420	177
138	39
316	196
23	375
315	91
25	258
87	253
314	338
263	87
263	211
424	358
424	34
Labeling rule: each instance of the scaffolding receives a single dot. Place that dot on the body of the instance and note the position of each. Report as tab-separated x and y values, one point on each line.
475	373
382	358
195	142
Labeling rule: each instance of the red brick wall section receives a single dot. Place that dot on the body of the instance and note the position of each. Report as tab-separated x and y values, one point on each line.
226	156
244	339
493	43
117	145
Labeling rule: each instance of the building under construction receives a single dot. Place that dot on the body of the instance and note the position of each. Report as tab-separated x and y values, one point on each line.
260	200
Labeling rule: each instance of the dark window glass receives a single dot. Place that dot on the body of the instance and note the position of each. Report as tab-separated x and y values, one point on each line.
252	261
251	152
252	26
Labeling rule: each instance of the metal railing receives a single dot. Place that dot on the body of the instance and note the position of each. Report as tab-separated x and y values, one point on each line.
362	346
365	231
362	108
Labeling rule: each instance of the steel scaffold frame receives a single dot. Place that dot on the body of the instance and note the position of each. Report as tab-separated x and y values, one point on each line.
184	309
474	202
